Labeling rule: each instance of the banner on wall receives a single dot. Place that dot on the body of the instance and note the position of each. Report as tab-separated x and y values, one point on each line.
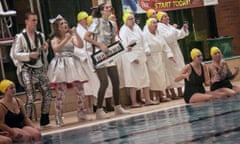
210	2
141	6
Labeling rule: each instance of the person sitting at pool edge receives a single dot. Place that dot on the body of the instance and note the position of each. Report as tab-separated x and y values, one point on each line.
195	75
13	117
221	75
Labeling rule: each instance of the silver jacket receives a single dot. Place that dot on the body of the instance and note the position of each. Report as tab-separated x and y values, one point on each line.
20	53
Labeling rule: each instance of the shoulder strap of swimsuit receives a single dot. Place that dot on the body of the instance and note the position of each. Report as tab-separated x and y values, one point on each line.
5	107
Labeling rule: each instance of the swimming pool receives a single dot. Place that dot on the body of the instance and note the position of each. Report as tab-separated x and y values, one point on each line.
211	122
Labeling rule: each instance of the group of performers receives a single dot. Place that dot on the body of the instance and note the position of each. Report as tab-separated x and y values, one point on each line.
152	61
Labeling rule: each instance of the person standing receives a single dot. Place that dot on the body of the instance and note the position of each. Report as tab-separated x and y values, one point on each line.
104	34
29	54
81	29
151	13
66	68
135	73
13	118
84	54
155	61
171	34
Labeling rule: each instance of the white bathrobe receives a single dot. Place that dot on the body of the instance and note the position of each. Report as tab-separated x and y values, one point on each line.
156	62
172	35
134	75
91	87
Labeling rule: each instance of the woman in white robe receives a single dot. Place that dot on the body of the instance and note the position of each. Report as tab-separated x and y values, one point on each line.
135	74
84	54
156	62
171	34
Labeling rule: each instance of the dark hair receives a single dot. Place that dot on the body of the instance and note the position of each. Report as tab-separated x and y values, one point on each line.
27	14
97	10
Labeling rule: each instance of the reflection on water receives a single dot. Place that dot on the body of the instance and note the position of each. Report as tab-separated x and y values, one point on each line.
212	122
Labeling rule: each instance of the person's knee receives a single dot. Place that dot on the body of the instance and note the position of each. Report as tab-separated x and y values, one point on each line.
25	137
36	136
104	84
5	140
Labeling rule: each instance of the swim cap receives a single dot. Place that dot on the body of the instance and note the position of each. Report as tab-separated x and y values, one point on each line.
125	17
4	84
160	14
150	12
82	15
89	20
195	52
214	50
148	22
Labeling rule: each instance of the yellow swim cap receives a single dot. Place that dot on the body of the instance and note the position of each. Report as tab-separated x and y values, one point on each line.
127	11
160	14
195	52
214	50
82	15
125	17
148	22
4	84
150	12
89	20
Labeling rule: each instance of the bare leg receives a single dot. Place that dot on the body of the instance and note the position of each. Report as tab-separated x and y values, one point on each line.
147	96
200	97
173	94
133	96
157	95
162	98
5	140
152	94
138	97
236	88
180	92
167	93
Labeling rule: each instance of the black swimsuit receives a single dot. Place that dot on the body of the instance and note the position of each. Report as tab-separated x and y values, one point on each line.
14	120
194	84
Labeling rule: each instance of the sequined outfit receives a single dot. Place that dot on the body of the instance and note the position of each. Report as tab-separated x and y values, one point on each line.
31	74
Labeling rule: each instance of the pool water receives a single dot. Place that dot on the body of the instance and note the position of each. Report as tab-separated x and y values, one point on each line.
211	122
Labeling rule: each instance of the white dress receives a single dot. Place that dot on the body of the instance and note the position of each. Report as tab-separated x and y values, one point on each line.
156	62
66	67
134	75
172	35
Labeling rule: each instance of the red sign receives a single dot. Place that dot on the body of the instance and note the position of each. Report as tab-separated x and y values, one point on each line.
167	5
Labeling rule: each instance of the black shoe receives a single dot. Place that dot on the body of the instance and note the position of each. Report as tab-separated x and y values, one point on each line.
44	119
